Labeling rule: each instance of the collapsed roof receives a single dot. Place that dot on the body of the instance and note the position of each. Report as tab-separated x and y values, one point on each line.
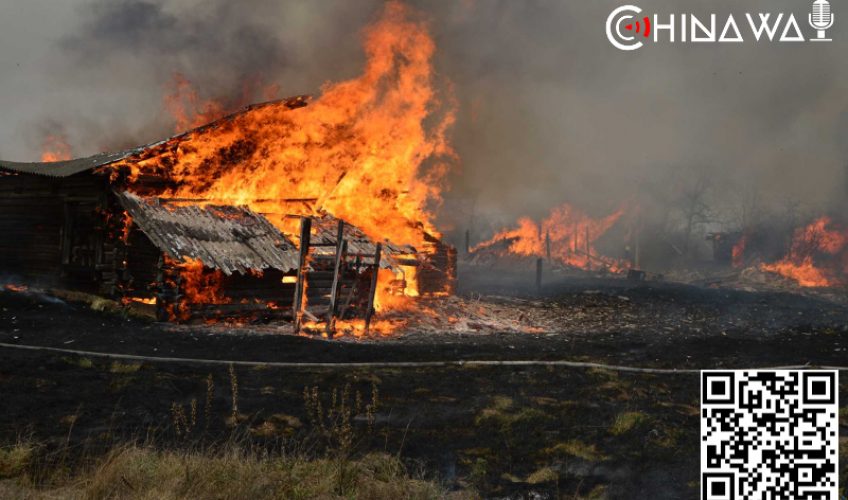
231	239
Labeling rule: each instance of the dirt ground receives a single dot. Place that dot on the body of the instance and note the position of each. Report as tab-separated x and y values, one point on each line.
506	431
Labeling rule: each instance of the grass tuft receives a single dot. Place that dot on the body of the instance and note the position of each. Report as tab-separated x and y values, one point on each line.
625	422
118	367
15	459
577	448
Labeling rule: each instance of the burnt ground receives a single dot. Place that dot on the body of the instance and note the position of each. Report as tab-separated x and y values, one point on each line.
507	431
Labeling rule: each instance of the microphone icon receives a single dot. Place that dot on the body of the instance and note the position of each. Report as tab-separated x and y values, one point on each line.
821	19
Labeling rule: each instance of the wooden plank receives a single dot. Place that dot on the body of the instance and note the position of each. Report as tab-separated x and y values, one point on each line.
305	232
373	291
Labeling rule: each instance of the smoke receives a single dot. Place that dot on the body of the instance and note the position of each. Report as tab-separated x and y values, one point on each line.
106	70
214	43
550	112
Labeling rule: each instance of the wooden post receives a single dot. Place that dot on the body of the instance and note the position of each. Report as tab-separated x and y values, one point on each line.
337	270
467	242
588	251
539	275
373	292
548	244
299	289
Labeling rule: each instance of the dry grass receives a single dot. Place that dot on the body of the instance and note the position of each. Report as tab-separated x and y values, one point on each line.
15	459
140	473
30	471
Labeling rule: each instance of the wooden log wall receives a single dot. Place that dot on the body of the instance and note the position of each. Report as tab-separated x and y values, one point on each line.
39	220
246	297
438	274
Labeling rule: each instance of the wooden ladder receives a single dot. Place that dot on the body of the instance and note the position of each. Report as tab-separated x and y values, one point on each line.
328	282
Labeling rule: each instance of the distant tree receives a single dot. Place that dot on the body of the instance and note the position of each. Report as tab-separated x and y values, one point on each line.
694	207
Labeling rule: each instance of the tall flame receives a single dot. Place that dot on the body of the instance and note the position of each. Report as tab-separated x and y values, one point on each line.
189	110
568	232
371	150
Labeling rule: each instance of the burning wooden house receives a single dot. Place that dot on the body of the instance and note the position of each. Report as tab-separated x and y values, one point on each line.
66	228
105	225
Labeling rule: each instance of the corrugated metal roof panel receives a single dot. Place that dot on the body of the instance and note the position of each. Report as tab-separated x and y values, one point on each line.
232	239
66	168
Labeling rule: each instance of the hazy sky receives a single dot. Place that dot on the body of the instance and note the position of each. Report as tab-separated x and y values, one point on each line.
549	110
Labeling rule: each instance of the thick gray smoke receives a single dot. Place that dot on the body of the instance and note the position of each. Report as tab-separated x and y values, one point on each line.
549	111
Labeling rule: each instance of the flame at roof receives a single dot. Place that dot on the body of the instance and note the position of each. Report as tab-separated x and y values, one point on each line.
371	150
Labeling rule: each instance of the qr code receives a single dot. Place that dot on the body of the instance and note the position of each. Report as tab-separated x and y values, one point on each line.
769	434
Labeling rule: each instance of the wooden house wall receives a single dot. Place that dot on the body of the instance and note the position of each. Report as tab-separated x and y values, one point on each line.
140	275
439	276
36	241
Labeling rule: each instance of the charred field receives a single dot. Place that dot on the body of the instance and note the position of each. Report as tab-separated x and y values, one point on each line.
500	431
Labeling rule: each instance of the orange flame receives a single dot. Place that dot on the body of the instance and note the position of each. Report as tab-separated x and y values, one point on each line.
371	150
186	106
809	244
355	328
567	230
55	148
738	252
201	285
190	111
390	295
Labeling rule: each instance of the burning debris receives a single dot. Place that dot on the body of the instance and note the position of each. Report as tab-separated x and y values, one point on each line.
817	257
566	237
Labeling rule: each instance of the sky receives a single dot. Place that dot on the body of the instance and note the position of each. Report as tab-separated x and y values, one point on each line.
548	111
